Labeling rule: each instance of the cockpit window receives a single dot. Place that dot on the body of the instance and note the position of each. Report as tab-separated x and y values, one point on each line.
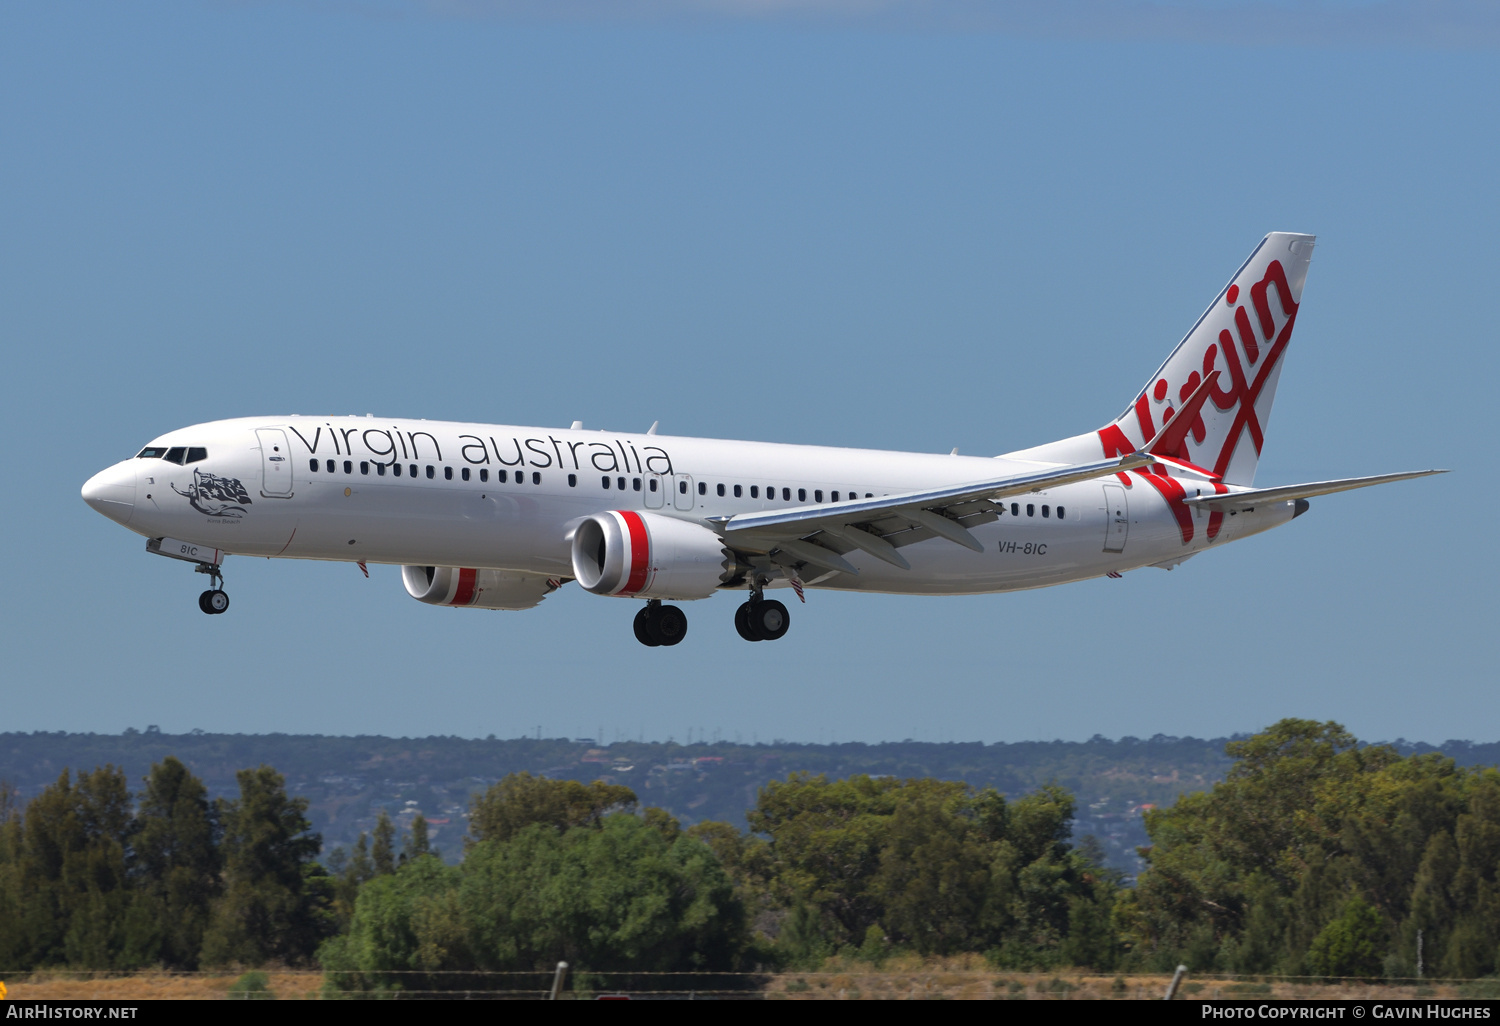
195	454
175	454
152	452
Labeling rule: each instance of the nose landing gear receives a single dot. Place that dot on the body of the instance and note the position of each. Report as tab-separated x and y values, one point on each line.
215	600
658	625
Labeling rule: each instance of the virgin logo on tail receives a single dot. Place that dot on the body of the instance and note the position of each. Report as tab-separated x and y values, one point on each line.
1245	358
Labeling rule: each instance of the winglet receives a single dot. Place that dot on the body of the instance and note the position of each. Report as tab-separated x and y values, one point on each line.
1171	439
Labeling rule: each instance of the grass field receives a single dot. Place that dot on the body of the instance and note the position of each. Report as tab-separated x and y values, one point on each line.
962	979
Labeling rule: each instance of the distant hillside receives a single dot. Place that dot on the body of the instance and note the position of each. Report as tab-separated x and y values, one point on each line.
348	780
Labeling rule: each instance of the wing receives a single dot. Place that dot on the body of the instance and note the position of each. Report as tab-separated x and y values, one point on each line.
822	535
1260	496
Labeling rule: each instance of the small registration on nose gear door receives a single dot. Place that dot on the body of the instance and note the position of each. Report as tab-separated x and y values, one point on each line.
1116	519
276	463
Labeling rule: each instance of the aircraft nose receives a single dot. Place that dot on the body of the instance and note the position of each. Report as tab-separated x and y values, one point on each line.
112	491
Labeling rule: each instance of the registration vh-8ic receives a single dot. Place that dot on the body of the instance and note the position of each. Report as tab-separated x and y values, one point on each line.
490	516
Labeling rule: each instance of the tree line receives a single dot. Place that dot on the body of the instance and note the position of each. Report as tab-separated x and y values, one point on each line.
1314	856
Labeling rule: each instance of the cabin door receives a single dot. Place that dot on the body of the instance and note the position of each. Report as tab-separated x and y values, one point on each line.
1116	518
276	463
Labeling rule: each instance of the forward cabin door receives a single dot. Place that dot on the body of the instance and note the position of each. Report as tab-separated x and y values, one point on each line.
1116	518
275	462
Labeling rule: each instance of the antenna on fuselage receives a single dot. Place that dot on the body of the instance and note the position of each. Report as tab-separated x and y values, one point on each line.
652	429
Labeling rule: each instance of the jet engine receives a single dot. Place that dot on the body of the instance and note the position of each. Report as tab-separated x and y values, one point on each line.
477	589
646	555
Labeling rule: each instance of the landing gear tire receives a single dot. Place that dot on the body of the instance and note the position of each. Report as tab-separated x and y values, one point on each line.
213	602
762	621
645	627
658	625
742	623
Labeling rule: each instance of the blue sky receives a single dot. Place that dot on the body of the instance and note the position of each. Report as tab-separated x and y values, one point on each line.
842	223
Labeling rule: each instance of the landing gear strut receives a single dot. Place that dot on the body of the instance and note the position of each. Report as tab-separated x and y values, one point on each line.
761	619
658	625
214	600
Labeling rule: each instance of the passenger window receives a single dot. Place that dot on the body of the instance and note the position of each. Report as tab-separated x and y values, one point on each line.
484	474
396	469
720	490
330	466
1060	513
411	468
1015	509
573	481
364	467
869	496
635	484
380	469
464	473
702	488
833	496
348	466
194	455
653	484
786	495
1030	510
621	482
500	476
682	487
818	495
801	494
605	479
1046	511
176	453
737	491
536	477
447	473
755	491
430	473
312	465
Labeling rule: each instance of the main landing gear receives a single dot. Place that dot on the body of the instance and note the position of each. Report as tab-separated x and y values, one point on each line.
657	625
214	600
762	619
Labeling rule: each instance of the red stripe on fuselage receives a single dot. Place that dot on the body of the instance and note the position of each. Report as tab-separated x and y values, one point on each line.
465	593
640	551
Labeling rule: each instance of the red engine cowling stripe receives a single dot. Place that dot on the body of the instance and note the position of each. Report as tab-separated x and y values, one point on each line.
640	552
465	592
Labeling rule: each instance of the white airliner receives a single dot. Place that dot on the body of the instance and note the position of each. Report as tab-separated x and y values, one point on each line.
496	517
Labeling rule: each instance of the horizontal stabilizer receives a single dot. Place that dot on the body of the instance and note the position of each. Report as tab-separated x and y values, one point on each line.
1261	496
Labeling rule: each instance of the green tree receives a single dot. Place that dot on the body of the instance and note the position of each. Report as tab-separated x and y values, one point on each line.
276	900
1316	853
176	864
417	842
927	865
383	853
350	877
1351	945
614	895
67	876
521	800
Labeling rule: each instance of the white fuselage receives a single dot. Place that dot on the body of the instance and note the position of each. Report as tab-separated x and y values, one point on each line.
507	498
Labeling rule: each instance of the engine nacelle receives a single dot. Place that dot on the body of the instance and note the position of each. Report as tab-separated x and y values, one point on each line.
477	589
645	555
